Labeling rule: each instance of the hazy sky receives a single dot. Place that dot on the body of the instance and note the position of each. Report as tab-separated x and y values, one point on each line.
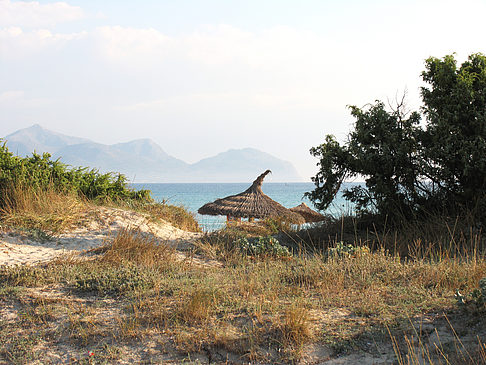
200	77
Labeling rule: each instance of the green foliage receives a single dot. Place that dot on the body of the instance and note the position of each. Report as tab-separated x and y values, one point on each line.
454	143
262	246
40	172
477	296
346	250
25	275
410	169
109	280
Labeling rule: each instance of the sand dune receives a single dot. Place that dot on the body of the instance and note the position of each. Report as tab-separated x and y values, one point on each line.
18	248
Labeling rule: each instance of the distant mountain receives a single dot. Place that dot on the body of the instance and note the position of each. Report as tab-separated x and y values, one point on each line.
239	165
35	138
143	160
140	160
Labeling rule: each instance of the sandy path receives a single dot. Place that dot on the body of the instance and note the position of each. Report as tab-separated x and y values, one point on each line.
18	249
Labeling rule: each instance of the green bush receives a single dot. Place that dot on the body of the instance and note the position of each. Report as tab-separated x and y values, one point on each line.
413	169
41	172
262	246
477	296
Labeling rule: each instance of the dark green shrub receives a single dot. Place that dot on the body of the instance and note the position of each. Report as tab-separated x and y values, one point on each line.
412	170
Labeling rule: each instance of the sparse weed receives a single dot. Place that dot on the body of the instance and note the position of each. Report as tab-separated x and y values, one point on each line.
19	349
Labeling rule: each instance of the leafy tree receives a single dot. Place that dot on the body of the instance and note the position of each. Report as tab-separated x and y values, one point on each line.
455	138
409	169
382	148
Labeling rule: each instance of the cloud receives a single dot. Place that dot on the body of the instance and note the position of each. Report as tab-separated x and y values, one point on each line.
132	46
218	102
17	99
32	14
213	46
16	43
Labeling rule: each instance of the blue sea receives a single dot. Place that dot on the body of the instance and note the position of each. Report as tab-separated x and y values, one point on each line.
194	195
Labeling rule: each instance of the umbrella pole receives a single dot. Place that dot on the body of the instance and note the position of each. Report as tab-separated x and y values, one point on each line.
230	218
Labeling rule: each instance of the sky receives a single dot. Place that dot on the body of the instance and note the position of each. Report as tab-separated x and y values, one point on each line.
201	77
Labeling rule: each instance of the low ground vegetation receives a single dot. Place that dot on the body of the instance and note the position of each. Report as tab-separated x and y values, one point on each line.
132	300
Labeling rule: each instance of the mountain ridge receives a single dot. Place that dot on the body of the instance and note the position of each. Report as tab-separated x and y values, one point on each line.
144	161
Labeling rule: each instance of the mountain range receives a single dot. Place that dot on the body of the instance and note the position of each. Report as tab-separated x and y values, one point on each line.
143	160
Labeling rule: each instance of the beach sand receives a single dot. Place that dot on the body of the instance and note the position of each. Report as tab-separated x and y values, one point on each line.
97	228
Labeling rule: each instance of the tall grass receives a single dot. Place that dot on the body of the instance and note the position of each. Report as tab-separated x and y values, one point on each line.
42	210
178	216
434	238
132	247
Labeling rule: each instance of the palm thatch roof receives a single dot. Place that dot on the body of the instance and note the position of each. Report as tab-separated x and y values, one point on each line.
308	214
252	203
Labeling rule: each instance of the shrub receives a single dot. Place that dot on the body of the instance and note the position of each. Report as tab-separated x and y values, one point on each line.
110	280
262	246
39	172
410	170
477	296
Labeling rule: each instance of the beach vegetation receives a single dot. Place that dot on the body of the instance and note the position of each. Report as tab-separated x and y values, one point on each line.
268	309
47	197
413	168
40	172
262	246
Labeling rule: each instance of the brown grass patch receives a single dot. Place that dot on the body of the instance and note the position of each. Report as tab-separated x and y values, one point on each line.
46	210
135	247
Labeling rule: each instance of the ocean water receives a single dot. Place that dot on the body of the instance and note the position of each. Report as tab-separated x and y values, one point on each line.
194	195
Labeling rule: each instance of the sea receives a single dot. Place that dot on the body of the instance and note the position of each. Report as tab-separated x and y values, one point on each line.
192	196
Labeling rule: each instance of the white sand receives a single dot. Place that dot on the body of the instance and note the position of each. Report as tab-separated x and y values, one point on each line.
105	223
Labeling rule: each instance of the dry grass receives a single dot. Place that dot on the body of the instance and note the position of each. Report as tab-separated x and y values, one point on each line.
450	349
131	246
177	216
46	210
296	330
135	294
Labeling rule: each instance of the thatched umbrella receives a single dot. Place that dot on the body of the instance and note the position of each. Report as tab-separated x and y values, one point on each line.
308	214
251	203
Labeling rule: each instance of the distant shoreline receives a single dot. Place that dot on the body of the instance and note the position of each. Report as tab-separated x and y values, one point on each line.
237	182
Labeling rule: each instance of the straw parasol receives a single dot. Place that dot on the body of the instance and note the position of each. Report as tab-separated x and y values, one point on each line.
251	203
308	214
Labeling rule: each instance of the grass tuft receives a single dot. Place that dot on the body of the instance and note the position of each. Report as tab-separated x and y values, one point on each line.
132	247
296	330
41	210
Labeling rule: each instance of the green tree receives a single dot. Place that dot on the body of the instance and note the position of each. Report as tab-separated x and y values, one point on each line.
382	149
455	138
409	169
